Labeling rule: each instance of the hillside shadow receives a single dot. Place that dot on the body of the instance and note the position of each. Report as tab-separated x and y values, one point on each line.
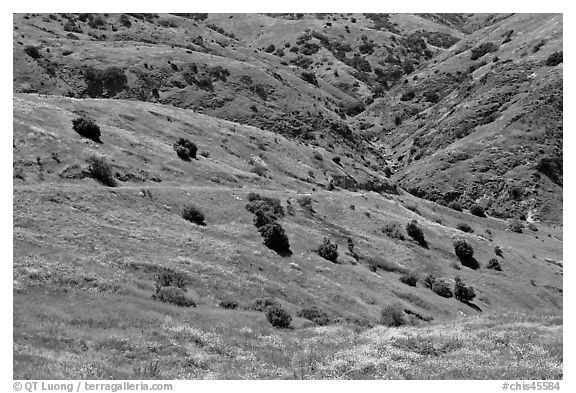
284	253
472	305
470	262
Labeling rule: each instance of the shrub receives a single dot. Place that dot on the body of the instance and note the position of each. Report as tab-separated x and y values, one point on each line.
498	250
262	303
455	206
441	288
336	160
328	250
271	48
515	225
275	237
532	227
99	170
278	317
550	167
494	264
393	316
173	295
431	96
87	128
228	304
462	249
415	232
125	21
410	279
309	77
185	149
463	292
269	205
477	210
554	59
393	231
315	315
114	80
464	228
193	214
32	51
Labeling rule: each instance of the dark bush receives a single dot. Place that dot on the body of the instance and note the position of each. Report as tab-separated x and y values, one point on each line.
315	315
328	250
99	170
32	51
275	237
193	214
306	202
87	128
185	149
429	281
169	278
309	77
205	83
336	160
462	249
494	264
271	48
415	232
278	317
262	303
455	206
554	59
393	316
532	227
477	210
410	279
464	228
173	295
228	304
463	292
114	80
515	225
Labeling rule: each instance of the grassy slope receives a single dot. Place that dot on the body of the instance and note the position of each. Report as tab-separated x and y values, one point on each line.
85	257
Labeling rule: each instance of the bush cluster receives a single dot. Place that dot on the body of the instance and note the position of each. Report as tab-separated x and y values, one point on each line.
463	292
87	128
193	214
185	149
171	288
477	210
267	211
393	316
99	170
455	206
393	231
410	279
463	250
328	250
415	232
278	317
32	51
464	228
554	59
482	49
494	264
262	303
315	315
515	225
